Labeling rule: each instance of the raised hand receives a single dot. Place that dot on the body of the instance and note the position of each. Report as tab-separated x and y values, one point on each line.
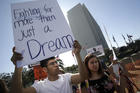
76	47
16	57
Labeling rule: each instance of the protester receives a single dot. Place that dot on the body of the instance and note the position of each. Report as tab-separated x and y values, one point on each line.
3	87
98	81
121	76
55	82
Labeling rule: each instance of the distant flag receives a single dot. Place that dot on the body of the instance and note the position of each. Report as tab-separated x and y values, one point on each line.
115	41
113	38
129	36
123	37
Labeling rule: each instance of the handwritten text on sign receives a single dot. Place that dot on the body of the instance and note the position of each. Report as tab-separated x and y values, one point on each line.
40	30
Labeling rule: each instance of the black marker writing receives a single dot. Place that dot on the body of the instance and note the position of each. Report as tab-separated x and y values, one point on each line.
59	43
48	18
47	10
23	22
24	13
47	29
27	33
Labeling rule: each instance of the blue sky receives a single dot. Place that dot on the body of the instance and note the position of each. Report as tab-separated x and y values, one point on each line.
118	16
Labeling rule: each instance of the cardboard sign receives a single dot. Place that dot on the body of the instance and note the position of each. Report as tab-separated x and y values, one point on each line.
98	50
40	30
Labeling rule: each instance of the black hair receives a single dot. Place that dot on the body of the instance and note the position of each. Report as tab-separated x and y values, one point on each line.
43	63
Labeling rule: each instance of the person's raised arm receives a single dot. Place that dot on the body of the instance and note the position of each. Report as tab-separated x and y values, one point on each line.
16	86
125	72
77	78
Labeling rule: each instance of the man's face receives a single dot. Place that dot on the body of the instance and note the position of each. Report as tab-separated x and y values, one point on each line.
53	67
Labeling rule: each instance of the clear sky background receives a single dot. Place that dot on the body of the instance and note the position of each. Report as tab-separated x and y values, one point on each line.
118	16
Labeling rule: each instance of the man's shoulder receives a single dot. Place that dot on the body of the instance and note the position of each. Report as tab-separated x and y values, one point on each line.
38	82
65	75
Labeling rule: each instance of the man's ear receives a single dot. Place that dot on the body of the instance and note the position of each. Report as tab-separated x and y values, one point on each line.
45	69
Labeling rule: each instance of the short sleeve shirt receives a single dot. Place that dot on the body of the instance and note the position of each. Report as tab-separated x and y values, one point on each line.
62	85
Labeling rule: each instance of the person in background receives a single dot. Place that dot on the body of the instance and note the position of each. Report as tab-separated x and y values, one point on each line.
98	81
121	76
55	82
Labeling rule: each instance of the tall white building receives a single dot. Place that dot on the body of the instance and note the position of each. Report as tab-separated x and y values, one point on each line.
85	28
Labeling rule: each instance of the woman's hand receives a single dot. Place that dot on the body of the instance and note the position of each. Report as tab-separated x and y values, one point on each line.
76	47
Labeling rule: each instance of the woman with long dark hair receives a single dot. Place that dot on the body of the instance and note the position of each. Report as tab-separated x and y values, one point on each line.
98	81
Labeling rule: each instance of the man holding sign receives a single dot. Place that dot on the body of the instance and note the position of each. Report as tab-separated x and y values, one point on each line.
40	30
54	83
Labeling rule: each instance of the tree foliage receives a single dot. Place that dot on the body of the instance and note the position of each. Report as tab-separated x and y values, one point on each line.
7	77
27	77
71	69
126	51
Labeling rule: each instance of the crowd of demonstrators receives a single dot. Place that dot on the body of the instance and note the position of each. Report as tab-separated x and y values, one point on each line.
3	87
121	76
55	82
92	76
98	81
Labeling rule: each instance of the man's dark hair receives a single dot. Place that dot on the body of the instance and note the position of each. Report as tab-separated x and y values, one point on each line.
43	63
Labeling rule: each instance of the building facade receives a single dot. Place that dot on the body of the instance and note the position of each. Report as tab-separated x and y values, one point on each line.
85	28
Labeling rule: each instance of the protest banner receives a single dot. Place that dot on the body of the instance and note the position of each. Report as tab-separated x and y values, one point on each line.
40	30
97	50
